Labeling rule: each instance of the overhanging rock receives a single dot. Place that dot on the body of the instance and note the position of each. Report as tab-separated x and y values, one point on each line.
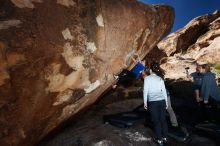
61	56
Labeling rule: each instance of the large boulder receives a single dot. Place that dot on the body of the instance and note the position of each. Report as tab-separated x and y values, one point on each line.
57	57
197	33
197	42
155	55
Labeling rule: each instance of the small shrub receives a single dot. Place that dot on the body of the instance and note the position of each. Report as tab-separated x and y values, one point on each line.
217	67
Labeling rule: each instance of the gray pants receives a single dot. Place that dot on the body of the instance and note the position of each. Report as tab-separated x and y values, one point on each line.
173	119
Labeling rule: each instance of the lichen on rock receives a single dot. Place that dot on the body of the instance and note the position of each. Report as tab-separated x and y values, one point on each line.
100	21
61	59
91	87
67	34
66	3
9	23
25	3
91	47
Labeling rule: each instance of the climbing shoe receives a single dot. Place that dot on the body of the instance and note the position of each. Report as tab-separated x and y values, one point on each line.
165	140
159	142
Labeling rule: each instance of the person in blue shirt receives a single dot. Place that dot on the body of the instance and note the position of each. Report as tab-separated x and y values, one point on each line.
155	98
127	76
209	88
210	94
197	77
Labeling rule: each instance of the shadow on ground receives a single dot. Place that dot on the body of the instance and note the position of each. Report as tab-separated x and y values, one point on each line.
89	129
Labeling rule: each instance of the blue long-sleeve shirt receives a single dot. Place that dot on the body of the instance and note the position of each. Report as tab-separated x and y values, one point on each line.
138	68
154	89
210	87
197	78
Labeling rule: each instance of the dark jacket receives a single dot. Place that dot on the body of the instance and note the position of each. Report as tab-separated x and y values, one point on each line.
210	87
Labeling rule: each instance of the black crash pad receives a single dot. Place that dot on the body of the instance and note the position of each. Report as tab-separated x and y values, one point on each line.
210	128
139	115
123	120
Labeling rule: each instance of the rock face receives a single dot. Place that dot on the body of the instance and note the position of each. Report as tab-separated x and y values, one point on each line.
197	42
58	57
155	55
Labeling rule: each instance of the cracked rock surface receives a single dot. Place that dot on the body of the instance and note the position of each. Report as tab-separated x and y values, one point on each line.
59	57
197	42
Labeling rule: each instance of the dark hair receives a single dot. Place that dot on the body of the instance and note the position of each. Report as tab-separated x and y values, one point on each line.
207	67
155	67
147	71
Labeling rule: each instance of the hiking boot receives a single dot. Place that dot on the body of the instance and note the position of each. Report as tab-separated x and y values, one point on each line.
159	142
165	140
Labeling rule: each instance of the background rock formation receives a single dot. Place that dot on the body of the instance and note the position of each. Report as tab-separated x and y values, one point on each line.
58	57
197	42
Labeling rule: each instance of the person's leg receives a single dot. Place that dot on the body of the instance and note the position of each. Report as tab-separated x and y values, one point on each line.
172	115
210	111
217	109
206	108
121	78
202	112
123	73
197	95
163	119
153	106
125	76
213	111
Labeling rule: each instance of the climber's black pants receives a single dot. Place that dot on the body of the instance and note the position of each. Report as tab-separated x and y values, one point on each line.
126	77
158	116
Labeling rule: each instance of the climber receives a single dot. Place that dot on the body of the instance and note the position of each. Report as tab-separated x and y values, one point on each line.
197	77
127	76
156	97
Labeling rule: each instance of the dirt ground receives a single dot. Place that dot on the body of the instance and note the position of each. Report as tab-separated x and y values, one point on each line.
89	130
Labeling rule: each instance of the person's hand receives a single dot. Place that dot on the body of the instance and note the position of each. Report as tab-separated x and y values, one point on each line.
145	107
198	99
206	101
143	74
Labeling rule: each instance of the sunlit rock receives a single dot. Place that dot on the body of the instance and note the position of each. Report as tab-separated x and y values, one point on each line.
61	59
197	42
25	3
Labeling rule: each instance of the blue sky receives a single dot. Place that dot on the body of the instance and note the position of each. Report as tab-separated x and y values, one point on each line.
186	10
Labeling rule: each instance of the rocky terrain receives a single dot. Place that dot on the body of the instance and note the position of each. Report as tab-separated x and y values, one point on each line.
197	42
89	130
57	57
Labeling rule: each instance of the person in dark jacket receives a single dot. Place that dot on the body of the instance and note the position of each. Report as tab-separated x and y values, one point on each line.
197	77
210	94
209	85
